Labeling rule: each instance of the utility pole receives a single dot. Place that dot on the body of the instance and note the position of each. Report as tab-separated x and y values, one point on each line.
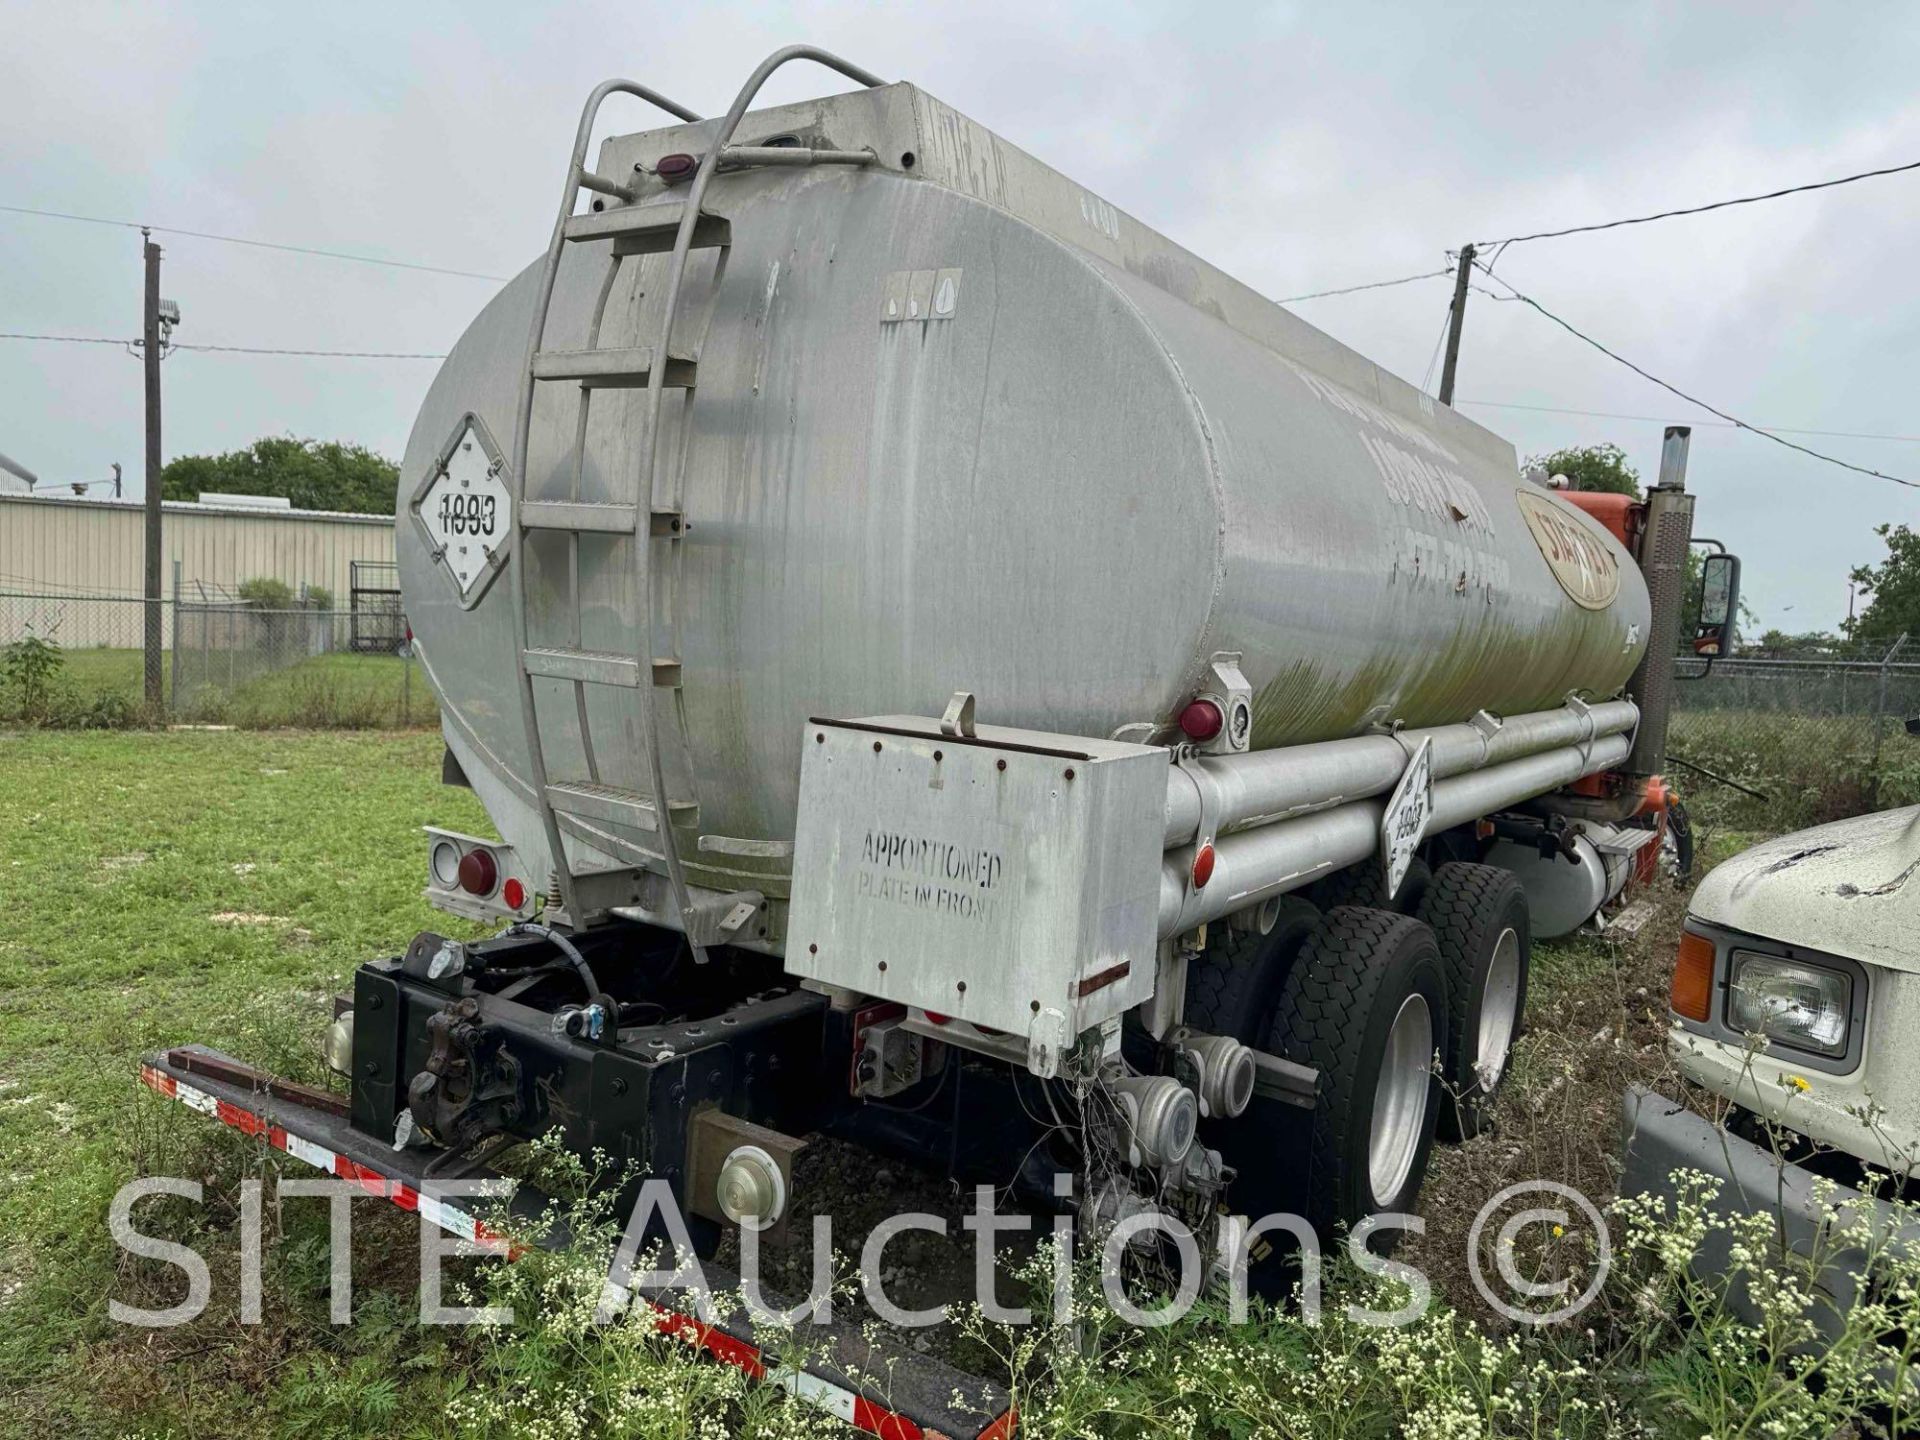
1456	319
150	357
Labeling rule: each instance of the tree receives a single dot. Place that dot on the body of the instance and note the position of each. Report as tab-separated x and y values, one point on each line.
1591	467
1892	588
312	474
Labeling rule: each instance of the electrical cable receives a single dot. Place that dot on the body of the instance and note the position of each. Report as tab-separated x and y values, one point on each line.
1667	419
1695	400
173	345
1355	289
1698	209
254	244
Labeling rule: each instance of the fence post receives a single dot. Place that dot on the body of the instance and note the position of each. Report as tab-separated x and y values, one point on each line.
173	658
1879	719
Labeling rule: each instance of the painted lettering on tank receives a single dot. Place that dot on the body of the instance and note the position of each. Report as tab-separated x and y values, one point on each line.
1442	495
1417	557
1345	401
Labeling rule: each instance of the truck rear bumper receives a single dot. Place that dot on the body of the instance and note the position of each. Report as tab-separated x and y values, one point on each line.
923	1400
1663	1137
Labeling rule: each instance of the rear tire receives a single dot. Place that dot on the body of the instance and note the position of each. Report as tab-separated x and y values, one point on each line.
1364	885
1234	984
1366	1005
1479	917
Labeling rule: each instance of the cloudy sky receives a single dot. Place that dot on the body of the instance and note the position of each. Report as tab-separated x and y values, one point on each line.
1299	147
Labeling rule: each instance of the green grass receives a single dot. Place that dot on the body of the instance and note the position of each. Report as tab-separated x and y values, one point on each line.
1808	769
343	690
160	888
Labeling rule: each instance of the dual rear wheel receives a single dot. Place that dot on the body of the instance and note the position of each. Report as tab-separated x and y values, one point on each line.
1409	1019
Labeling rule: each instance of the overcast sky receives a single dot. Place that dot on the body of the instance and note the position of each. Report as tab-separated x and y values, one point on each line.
1298	147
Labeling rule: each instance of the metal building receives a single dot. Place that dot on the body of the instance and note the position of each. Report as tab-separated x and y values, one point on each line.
73	546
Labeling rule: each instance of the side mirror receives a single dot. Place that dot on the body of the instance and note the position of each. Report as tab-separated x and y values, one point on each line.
1719	604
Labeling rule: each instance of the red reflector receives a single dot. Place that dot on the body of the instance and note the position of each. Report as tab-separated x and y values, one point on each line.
938	1019
1203	867
478	873
676	167
514	893
1202	720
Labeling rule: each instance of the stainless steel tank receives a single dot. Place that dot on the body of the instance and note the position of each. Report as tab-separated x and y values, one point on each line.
959	423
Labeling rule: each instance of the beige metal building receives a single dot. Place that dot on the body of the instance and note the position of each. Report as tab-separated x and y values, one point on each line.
77	547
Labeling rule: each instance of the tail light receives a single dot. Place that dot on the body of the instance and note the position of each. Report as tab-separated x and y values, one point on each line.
478	872
1202	720
1691	994
674	168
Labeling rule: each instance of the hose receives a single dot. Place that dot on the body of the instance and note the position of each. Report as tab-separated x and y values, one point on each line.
566	947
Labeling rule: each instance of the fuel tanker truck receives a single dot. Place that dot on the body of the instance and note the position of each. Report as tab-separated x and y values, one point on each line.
937	654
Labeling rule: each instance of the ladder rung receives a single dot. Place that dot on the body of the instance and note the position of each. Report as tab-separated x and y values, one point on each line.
579	516
613	806
597	517
648	229
611	369
596	667
590	666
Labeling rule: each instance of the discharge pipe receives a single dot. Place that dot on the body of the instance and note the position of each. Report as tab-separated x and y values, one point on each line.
1255	864
1269	787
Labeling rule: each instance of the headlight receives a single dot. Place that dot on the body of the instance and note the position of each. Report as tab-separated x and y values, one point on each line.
1802	1006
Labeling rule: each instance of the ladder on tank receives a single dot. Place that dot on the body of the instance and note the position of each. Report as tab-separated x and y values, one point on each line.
674	226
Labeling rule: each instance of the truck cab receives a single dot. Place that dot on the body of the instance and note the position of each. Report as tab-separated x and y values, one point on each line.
1795	996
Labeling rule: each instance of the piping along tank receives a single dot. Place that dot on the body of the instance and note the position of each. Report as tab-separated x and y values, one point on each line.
957	423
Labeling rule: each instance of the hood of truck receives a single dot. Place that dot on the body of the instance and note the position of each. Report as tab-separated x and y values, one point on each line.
1849	888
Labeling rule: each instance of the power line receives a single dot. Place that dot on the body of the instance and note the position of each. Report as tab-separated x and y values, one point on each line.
1667	419
1692	399
255	244
235	349
65	339
1355	289
1701	209
326	354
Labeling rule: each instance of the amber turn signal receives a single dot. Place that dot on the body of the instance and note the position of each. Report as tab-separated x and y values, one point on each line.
1691	995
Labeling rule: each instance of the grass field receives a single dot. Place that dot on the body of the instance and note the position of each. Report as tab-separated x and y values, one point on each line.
165	887
161	887
342	690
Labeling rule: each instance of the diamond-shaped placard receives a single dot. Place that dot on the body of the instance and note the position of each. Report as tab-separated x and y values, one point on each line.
465	509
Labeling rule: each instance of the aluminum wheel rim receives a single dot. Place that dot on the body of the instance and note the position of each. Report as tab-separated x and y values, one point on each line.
1400	1101
1499	1009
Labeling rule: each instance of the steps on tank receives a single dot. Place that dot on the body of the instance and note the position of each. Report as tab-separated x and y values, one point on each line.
648	229
613	806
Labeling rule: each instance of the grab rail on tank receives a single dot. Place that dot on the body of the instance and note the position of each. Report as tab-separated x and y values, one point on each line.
650	448
578	177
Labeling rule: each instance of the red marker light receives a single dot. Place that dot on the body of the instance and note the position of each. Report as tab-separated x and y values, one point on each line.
514	894
939	1019
478	873
1203	867
674	168
1202	720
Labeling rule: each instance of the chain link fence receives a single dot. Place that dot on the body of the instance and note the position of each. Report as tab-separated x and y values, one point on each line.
80	659
1781	743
